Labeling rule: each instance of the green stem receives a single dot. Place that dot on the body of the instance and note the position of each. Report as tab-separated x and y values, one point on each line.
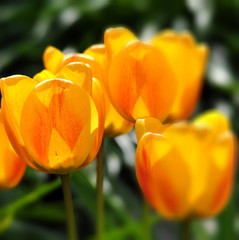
99	195
131	228
185	232
69	207
31	197
8	212
146	221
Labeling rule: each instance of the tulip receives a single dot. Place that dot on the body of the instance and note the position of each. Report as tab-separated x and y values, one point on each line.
188	60
54	60
54	122
140	81
184	169
160	78
12	167
95	56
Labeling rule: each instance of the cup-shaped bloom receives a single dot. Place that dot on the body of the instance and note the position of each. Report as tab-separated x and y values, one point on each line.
12	168
186	170
54	60
140	81
188	60
54	123
160	78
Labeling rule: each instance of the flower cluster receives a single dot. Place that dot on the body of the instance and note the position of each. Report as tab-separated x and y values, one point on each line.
56	120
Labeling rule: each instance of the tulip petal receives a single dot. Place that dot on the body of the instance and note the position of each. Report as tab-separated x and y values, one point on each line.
15	90
99	65
43	75
59	125
192	144
78	73
188	63
116	38
150	124
97	51
115	124
12	167
162	175
82	58
213	119
98	98
52	59
70	58
221	159
140	82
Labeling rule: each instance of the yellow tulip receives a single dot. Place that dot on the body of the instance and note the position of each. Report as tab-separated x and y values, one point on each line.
188	60
161	78
186	170
140	81
55	60
55	123
12	168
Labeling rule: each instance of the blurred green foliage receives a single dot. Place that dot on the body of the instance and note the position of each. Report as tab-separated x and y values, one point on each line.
34	209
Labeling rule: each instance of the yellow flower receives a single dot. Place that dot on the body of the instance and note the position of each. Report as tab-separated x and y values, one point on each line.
161	78
186	170
12	168
140	81
54	60
55	123
188	60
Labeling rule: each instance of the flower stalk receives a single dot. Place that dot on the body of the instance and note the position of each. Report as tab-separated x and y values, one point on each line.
146	221
72	233
185	231
99	195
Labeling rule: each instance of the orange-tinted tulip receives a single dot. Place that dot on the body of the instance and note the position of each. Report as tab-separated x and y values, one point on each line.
188	60
186	170
12	168
140	81
161	78
55	123
54	60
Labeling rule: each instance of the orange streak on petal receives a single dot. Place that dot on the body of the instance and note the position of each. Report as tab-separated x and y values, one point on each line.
69	127
141	83
61	129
